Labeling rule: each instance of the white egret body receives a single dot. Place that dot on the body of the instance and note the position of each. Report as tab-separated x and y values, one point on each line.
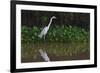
45	30
43	34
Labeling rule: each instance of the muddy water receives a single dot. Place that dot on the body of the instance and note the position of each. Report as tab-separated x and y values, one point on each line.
55	51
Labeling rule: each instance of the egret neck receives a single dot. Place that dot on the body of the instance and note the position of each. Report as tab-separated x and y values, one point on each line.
50	22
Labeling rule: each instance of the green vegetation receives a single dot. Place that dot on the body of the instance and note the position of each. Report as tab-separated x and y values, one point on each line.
55	34
62	43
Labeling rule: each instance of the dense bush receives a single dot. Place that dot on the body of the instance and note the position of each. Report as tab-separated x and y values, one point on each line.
55	34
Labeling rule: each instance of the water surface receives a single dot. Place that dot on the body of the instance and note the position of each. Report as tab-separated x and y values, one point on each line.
55	51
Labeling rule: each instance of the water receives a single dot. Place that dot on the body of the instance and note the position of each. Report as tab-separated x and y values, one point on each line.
55	51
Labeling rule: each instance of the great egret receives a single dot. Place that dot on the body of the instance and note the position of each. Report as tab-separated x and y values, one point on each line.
45	30
43	34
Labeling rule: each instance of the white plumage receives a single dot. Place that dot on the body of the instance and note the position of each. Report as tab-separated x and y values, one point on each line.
45	30
43	34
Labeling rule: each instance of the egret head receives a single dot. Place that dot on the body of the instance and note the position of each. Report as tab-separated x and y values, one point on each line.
53	17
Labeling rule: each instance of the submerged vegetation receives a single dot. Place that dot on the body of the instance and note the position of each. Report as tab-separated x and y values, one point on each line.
55	34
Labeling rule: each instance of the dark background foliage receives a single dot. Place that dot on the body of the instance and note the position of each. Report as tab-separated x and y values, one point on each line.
32	18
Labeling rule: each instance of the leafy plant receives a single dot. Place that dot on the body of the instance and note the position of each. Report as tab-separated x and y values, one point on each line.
55	34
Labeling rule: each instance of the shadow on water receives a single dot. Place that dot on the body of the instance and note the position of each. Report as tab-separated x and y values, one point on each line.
55	51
